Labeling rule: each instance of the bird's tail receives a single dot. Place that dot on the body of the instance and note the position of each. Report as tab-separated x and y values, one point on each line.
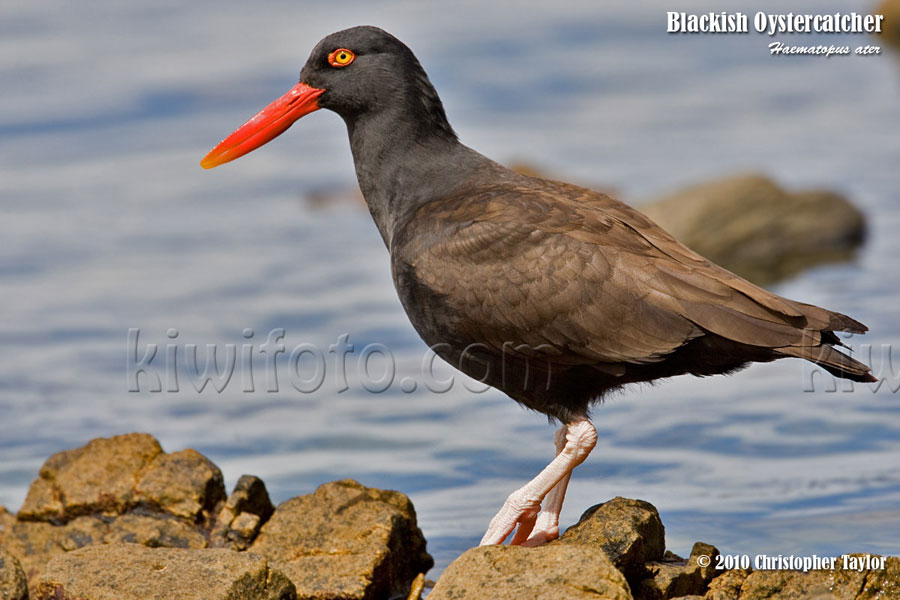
827	356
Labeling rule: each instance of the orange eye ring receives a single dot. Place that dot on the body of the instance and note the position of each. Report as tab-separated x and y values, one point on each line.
341	57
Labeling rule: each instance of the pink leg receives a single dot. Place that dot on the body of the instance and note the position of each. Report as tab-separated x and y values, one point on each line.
523	505
546	526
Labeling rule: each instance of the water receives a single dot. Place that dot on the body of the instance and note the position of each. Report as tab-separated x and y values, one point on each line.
109	224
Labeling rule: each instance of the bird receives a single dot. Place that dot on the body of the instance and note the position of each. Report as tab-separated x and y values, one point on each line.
552	293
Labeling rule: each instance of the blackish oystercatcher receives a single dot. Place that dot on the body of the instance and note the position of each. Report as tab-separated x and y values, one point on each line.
552	293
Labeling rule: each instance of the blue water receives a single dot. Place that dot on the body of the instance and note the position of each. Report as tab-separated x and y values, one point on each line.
108	223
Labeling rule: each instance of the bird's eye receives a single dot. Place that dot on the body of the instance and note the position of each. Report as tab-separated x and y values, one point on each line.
341	57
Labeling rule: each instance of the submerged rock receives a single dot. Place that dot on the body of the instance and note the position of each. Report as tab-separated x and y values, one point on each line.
346	541
750	225
135	572
890	28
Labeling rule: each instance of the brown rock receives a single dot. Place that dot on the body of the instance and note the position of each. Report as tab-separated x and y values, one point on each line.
884	583
96	478
671	579
6	521
791	585
131	571
250	496
36	543
33	544
837	584
629	531
553	571
182	483
113	490
708	572
675	577
752	226
890	27
13	585
110	476
155	531
81	532
246	510
346	541
244	528
727	586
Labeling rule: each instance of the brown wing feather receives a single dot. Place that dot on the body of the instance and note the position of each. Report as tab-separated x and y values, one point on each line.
590	280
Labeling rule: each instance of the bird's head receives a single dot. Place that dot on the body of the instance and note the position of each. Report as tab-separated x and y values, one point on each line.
359	71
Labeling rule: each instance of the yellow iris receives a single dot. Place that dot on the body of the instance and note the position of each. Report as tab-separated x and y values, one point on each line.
341	57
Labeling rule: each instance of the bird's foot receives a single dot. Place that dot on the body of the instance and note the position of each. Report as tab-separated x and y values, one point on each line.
546	529
520	509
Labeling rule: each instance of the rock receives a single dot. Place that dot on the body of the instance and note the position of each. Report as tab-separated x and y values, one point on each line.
155	531
110	476
628	531
890	27
118	489
813	585
184	484
132	571
708	572
675	577
250	496
750	225
553	571
80	532
346	541
246	510
417	587
13	585
666	580
36	543
727	586
148	535
33	544
96	478
836	584
882	584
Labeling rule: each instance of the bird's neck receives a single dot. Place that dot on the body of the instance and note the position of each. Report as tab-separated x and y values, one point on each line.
403	162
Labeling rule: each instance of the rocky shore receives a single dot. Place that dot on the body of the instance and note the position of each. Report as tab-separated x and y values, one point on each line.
121	519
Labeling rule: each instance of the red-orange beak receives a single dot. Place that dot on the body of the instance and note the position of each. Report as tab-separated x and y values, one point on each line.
265	125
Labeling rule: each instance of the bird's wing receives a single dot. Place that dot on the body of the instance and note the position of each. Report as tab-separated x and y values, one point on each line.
575	274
